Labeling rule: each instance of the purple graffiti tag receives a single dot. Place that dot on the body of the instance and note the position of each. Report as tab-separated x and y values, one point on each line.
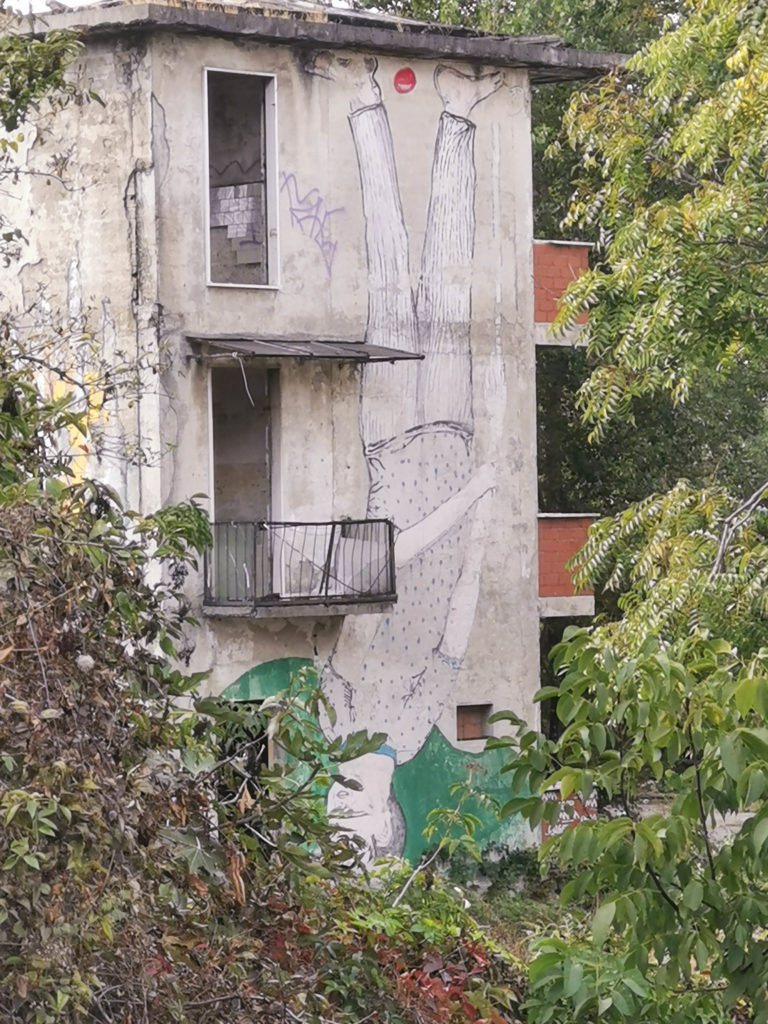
310	214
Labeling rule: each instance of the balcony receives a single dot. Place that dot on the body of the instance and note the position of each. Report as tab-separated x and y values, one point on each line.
555	265
561	534
290	569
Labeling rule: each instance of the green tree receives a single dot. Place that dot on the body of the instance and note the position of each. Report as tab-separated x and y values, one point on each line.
717	437
673	156
613	26
668	702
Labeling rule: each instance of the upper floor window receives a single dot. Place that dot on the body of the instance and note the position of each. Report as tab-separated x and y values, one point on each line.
242	208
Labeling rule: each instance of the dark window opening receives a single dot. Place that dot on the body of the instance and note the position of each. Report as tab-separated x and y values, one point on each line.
472	721
241	410
237	178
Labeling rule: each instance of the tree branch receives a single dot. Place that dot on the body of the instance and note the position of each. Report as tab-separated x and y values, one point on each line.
700	799
663	892
734	522
416	871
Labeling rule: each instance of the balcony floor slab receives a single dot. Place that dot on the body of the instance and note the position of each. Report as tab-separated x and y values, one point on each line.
314	610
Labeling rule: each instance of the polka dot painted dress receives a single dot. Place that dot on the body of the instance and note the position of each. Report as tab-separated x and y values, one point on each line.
405	681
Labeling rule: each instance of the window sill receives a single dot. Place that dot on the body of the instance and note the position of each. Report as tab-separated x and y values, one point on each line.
270	287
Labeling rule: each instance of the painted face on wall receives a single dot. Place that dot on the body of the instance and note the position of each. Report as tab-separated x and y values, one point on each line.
370	811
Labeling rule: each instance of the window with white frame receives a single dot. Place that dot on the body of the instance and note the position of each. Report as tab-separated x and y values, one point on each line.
241	178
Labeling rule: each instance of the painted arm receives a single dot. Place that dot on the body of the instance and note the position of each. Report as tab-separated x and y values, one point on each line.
463	605
461	610
417	538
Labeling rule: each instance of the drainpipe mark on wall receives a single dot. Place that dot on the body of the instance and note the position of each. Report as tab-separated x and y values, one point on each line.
130	207
136	250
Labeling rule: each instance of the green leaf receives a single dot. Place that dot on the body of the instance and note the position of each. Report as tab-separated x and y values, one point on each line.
693	894
545	966
621	1002
744	695
604	1003
759	833
573	975
732	755
637	984
601	922
99	528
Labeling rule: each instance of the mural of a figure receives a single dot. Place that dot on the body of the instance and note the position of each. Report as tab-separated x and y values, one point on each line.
394	672
359	807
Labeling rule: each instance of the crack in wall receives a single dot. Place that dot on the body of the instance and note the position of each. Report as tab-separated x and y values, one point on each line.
161	149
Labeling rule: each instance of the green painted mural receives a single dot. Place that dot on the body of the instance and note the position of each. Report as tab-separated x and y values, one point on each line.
266	679
408	791
425	782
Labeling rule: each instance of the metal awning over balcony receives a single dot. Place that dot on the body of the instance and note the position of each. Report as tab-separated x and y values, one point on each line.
252	347
278	565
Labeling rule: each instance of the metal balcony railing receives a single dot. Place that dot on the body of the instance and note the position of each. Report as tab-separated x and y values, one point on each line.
271	564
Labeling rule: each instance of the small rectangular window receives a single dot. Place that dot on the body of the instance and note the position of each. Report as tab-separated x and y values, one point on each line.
472	721
240	112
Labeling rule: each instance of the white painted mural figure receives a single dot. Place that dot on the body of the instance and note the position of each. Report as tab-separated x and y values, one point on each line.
417	431
368	806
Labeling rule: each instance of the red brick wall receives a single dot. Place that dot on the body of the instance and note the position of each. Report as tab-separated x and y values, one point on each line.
554	267
559	539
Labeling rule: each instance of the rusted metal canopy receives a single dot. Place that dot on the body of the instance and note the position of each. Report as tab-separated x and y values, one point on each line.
294	348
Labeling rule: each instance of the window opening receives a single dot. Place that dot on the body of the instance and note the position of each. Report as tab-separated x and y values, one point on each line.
472	721
237	177
242	492
240	398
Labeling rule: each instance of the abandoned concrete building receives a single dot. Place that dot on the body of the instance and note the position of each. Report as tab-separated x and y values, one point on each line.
320	222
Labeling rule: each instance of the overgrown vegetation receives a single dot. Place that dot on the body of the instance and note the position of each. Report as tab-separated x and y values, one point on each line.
717	438
670	701
152	867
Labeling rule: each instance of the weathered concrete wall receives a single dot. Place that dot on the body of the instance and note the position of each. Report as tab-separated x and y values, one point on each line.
86	202
404	216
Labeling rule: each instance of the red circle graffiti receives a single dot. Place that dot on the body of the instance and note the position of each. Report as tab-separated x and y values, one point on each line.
405	80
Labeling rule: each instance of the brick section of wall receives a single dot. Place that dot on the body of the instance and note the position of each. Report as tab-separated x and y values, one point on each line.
559	540
554	267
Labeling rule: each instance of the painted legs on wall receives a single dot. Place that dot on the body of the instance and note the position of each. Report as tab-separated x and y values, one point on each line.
396	672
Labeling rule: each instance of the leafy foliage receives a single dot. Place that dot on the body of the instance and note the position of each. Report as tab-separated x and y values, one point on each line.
673	152
680	561
149	868
484	15
31	70
686	910
715	438
32	79
663	711
616	26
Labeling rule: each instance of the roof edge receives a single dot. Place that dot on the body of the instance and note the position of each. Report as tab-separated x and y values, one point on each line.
546	59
